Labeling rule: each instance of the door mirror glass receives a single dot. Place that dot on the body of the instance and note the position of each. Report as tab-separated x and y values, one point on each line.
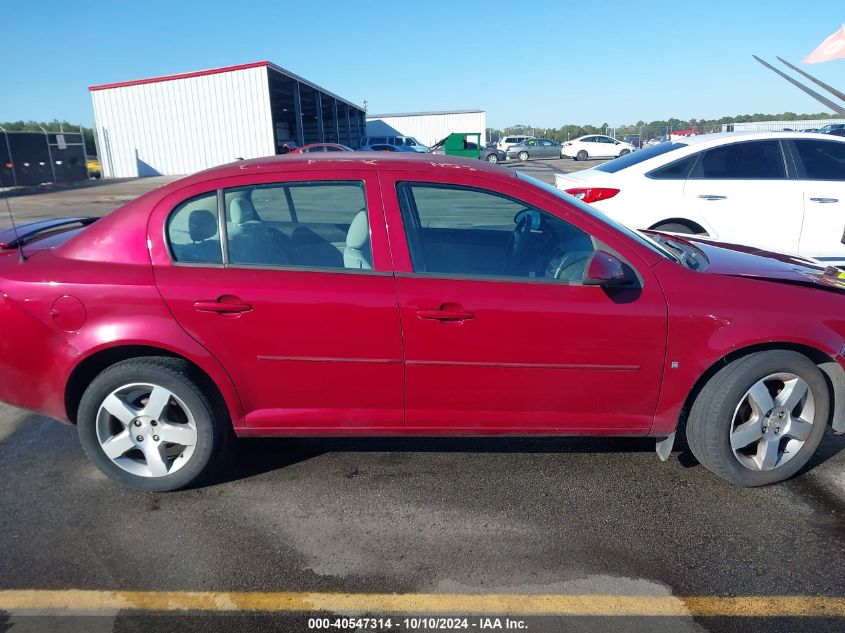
604	269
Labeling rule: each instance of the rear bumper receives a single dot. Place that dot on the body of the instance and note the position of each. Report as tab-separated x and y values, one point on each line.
34	361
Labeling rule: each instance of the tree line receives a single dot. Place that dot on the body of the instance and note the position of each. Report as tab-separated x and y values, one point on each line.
650	129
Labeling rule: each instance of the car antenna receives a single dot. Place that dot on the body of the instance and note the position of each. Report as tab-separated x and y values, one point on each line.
14	228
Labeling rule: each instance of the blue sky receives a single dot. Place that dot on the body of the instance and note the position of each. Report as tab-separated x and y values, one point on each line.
537	63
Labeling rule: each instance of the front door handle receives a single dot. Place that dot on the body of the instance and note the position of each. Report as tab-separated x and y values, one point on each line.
825	200
446	313
708	196
222	307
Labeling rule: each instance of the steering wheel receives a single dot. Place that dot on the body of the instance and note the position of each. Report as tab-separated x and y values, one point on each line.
516	242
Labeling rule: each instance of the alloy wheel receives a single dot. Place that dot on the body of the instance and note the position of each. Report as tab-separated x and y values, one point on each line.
772	421
146	430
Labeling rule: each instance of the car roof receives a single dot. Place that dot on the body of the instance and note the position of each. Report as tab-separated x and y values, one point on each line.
366	161
761	135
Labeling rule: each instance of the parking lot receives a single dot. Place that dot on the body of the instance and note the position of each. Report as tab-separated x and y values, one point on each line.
565	534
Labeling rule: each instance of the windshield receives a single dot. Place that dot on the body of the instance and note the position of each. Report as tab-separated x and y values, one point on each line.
639	237
612	166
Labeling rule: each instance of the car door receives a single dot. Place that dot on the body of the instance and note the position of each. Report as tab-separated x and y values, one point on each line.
297	301
548	148
516	344
821	170
744	192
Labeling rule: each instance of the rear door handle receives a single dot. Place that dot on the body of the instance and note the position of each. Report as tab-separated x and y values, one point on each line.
446	315
825	200
221	307
708	196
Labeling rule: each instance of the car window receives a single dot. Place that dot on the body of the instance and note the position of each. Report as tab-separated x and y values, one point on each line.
192	230
332	148
311	224
378	140
457	230
753	160
823	160
677	170
546	143
588	139
635	158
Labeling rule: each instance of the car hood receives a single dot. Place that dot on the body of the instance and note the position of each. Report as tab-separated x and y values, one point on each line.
749	261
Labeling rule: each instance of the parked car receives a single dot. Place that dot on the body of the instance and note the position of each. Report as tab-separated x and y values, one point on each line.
391	148
535	148
408	143
595	146
633	139
781	191
505	143
471	300
836	129
322	147
656	140
459	144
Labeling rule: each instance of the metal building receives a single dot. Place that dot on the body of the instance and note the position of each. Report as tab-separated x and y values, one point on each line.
180	124
428	127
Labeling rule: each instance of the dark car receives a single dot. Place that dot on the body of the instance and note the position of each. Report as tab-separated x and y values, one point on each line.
377	295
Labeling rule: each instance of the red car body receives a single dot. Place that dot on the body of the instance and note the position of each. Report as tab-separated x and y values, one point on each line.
326	352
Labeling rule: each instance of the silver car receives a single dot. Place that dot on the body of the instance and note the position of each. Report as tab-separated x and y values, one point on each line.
535	148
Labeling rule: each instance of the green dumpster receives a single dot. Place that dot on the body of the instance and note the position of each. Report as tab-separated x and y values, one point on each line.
463	144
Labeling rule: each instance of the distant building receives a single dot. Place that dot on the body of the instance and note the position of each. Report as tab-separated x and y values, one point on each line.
773	126
179	124
428	127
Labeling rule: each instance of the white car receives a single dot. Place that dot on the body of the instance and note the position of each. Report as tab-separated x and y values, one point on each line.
779	191
506	142
595	146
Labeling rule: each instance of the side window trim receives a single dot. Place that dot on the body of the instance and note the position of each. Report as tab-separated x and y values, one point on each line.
221	227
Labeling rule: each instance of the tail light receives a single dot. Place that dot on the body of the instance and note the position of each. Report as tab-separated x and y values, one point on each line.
592	194
567	144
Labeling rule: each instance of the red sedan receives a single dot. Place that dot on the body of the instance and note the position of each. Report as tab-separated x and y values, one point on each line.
408	295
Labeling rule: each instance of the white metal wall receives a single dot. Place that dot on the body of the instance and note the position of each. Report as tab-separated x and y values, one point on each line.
429	128
770	126
180	126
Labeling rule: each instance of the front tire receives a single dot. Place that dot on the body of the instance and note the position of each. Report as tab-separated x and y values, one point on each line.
759	419
624	151
523	156
149	425
492	158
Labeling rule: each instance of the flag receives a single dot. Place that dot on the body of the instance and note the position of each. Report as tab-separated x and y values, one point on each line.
832	48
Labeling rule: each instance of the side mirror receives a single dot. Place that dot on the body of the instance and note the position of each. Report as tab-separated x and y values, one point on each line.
604	269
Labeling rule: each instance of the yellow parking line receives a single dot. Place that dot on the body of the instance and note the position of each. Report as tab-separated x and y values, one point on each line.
73	601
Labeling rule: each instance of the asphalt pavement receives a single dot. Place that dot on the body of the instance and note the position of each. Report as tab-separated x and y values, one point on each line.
403	528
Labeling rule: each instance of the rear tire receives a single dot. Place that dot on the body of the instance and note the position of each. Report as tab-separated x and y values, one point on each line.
160	428
749	424
582	155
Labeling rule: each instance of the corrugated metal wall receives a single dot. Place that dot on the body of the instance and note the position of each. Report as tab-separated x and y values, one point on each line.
772	126
428	128
183	125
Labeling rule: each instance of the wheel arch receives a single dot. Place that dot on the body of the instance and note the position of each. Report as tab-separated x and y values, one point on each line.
834	375
89	367
690	224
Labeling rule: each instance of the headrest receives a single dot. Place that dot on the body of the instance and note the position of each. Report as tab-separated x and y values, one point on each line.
242	211
201	225
359	230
